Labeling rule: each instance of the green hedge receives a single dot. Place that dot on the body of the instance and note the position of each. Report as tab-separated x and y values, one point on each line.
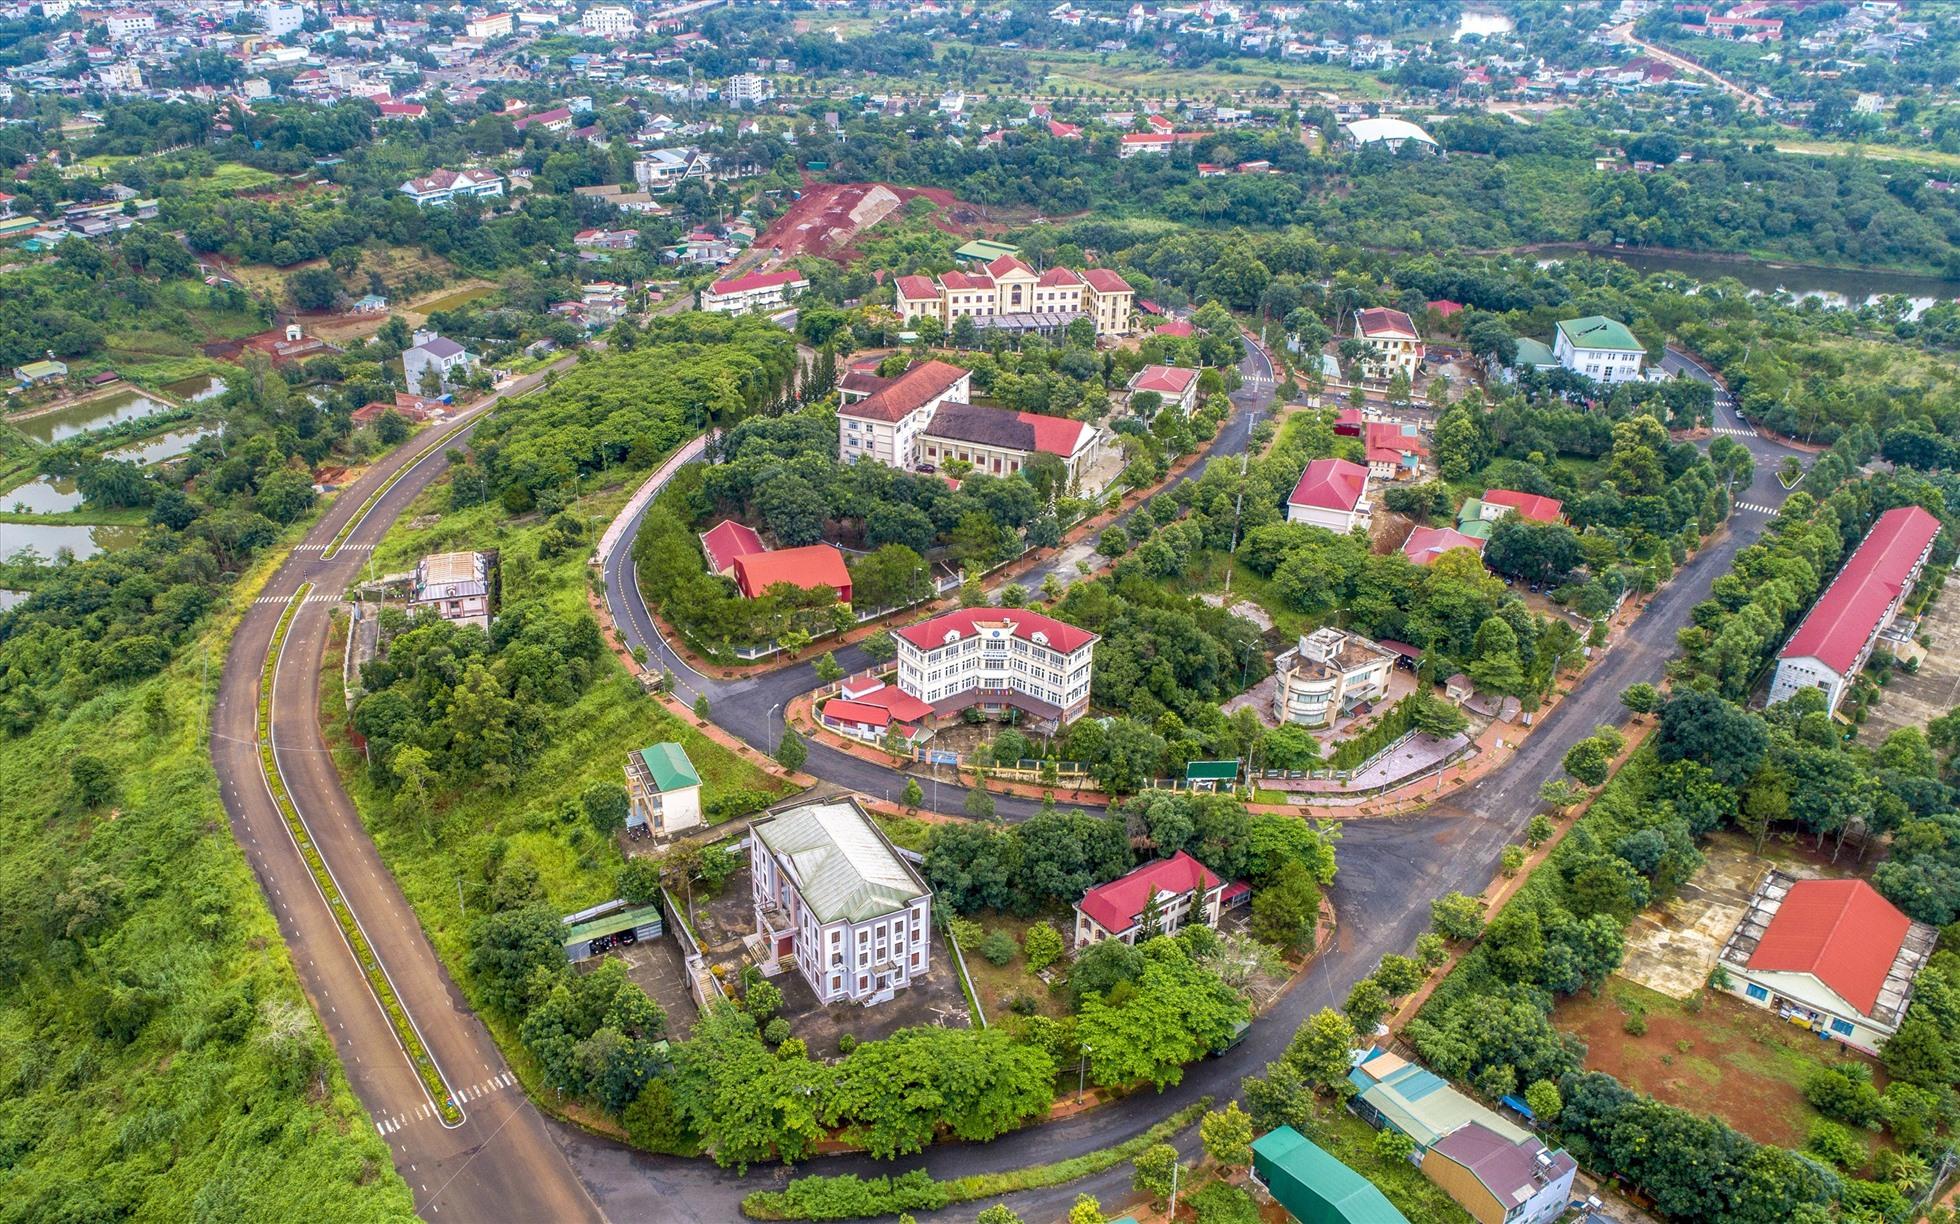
850	1197
418	1055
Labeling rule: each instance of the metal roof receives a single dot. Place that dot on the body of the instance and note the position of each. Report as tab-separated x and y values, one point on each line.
1419	1103
1600	332
841	864
669	767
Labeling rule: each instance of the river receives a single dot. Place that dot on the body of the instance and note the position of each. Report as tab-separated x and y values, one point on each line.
1831	286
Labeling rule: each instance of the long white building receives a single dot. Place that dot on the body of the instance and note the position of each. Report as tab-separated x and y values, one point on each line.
998	659
832	896
1007	291
754	292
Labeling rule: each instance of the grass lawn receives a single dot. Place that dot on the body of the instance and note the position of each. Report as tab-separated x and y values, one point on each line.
1207	577
996	984
1738	1062
1843	148
1126	72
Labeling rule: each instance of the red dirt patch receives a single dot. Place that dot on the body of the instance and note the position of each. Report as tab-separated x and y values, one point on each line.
1742	1064
830	216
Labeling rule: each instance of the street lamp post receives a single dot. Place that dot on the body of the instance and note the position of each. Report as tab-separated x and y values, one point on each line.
1082	1072
769	727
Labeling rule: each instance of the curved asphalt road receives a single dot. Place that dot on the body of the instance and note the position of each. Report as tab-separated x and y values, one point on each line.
507	1162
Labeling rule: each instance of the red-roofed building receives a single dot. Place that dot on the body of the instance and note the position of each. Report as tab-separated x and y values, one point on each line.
1064	131
885	426
402	110
1332	493
1184	891
1831	954
1176	329
998	659
753	292
1393	342
1499	502
1425	544
1145	142
808	567
1174	384
1394	452
1838	633
868	708
1444	308
727	540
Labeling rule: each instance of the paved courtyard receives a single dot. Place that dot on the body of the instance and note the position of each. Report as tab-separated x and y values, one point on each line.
1915	700
1672	947
657	966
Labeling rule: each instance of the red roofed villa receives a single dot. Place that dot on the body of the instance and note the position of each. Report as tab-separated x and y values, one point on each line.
753	292
1829	954
808	567
1425	544
728	540
998	659
1185	890
1499	502
1176	328
1837	635
867	708
1176	384
1332	494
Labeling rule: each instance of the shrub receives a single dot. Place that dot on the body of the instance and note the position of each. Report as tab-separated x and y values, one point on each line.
1042	945
1836	1144
1218	1203
776	1032
997	947
846	1042
1635	1025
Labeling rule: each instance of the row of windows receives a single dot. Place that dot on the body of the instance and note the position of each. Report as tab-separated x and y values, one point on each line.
1843	1028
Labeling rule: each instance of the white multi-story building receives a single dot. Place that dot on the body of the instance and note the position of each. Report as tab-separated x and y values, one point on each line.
1007	290
431	354
446	185
1328	675
1331	493
608	21
126	24
664	168
455	586
998	659
835	899
1394	344
755	292
490	25
663	790
1600	348
747	89
279	20
886	425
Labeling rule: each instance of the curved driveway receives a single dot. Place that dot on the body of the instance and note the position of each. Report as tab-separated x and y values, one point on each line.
508	1162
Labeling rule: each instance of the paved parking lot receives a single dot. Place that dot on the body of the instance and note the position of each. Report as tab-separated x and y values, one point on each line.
656	965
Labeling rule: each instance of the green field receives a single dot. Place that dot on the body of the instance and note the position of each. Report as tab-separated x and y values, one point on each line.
160	1060
1128	72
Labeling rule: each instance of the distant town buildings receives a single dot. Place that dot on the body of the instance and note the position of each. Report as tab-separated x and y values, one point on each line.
455	586
1600	348
1838	633
446	186
996	660
835	900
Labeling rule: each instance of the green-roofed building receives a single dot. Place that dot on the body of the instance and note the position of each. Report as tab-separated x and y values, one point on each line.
1211	775
663	791
589	933
1314	1187
1470	519
1600	348
983	251
1534	355
835	899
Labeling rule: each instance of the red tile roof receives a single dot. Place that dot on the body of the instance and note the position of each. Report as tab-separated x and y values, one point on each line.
1425	544
1003	264
1444	308
1117	905
1149	140
1165	380
965	623
1848	614
1176	327
1349	422
895	702
1528	505
1381	321
907	393
758	280
1058	276
1330	484
966	280
838	709
809	567
1055	435
728	540
1064	131
1839	931
1105	280
1387	443
917	287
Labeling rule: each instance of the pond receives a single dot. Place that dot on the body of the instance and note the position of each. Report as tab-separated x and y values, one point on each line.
63	423
47	540
197	388
1483	24
42	495
157	449
1837	287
